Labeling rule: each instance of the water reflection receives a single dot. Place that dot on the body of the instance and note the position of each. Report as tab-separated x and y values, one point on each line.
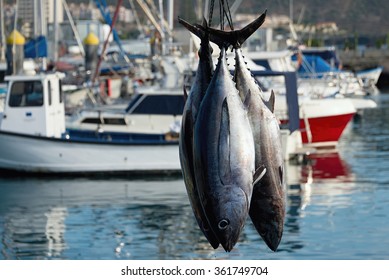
337	208
147	219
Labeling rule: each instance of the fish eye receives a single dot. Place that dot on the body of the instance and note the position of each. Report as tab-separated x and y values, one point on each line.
223	224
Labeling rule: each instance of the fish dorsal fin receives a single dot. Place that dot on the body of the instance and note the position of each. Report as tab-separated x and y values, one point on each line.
258	174
270	103
224	146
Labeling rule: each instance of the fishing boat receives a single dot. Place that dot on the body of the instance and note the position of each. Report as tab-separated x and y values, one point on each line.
370	77
321	121
317	123
33	137
315	76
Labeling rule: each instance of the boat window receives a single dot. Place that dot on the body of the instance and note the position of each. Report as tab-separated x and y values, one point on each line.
2	75
157	105
26	94
49	88
60	91
92	120
110	121
115	121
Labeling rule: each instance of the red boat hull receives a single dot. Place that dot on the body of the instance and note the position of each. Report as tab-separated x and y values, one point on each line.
324	131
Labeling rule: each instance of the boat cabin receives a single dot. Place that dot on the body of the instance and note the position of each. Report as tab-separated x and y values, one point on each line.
34	105
151	114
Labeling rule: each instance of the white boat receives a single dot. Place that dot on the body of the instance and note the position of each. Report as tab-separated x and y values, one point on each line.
321	121
324	84
33	137
150	114
157	113
370	77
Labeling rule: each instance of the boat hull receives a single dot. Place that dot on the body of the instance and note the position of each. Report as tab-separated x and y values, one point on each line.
34	154
370	77
322	121
324	132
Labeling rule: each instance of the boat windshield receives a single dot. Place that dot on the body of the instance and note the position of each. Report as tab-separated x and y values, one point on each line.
163	104
26	94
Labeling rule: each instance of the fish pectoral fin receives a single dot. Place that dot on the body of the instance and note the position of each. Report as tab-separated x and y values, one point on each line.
224	146
258	174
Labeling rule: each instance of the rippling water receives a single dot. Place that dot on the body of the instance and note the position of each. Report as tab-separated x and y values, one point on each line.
338	208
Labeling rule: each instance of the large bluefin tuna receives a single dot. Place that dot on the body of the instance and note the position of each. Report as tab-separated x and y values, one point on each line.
267	209
224	157
202	79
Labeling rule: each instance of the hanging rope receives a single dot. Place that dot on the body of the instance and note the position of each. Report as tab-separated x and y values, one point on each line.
221	8
212	5
224	12
228	15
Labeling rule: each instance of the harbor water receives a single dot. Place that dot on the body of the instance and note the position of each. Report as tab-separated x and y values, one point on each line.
338	208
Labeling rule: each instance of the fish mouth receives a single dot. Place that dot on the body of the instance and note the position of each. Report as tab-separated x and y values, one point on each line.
272	239
228	246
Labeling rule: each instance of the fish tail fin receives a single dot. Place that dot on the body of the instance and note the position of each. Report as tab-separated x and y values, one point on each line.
249	29
199	32
235	38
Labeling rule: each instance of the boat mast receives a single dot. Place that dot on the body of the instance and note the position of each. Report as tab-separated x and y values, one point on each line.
73	26
235	7
139	25
56	31
149	15
40	25
161	23
2	32
36	17
170	15
115	16
291	10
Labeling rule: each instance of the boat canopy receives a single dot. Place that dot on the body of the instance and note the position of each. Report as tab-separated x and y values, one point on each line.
313	64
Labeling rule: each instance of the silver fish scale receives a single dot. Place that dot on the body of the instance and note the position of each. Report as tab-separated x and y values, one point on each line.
197	92
267	209
224	156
